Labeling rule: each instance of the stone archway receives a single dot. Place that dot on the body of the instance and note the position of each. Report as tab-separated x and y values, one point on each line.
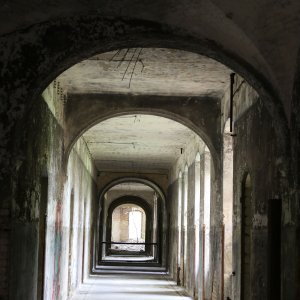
53	56
136	201
162	230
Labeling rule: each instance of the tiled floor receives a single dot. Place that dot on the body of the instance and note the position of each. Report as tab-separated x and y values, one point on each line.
130	287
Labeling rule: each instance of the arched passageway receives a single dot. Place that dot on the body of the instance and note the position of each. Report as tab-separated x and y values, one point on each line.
139	130
132	222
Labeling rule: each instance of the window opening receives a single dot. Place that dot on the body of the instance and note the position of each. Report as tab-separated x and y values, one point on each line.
128	226
179	216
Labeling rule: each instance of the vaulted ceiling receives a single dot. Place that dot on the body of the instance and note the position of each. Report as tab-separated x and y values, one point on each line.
153	71
137	142
142	142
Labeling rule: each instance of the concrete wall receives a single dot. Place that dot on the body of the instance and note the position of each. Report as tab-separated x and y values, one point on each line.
244	98
77	217
43	141
255	153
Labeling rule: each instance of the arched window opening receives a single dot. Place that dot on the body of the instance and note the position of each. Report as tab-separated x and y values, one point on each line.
128	226
197	221
179	231
207	200
246	237
71	237
184	222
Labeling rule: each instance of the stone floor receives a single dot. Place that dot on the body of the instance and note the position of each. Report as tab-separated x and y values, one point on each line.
130	287
127	258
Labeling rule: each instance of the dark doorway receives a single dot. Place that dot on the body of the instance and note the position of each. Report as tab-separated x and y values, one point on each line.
274	233
42	237
246	237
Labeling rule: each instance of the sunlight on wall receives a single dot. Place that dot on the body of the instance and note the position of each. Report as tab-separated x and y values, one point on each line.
207	187
197	215
135	225
179	215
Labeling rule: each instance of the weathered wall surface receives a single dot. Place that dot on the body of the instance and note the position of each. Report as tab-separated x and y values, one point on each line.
255	153
43	134
190	264
295	146
77	221
172	208
5	225
43	144
244	97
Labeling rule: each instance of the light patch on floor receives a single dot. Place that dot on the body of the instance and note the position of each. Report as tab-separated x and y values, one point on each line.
130	287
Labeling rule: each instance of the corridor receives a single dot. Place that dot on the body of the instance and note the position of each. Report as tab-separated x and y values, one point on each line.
148	173
130	287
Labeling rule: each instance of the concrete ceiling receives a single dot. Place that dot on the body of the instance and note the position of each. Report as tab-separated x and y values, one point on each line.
154	71
137	142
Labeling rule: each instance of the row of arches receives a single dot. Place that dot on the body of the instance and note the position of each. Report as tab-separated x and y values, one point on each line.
194	210
146	197
184	217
